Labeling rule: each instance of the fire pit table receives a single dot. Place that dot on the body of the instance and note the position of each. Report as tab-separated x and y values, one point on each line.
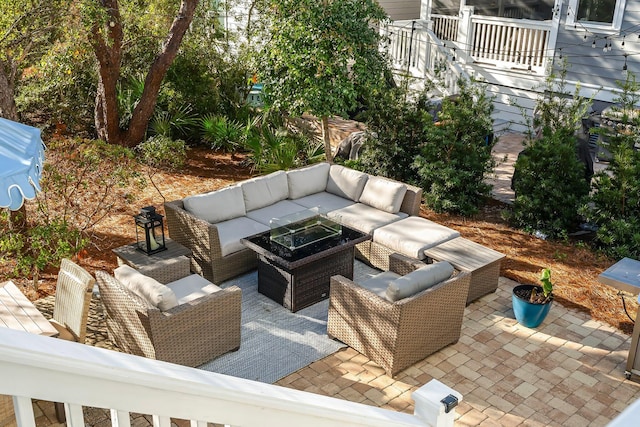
298	256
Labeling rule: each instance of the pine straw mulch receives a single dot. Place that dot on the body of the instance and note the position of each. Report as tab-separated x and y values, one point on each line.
575	267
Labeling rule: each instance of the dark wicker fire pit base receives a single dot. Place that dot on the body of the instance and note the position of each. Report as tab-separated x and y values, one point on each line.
301	278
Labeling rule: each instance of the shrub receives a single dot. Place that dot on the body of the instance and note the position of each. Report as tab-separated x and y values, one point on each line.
162	152
549	179
615	201
549	185
81	183
456	156
275	143
448	159
396	131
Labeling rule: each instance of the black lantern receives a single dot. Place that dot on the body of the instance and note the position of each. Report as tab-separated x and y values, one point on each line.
149	231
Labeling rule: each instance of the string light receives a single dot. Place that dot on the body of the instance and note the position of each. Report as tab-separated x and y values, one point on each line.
624	67
593	45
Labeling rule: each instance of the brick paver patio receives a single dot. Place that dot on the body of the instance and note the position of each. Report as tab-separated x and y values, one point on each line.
569	371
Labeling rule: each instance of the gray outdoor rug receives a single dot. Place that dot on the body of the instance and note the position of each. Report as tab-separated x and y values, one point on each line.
274	341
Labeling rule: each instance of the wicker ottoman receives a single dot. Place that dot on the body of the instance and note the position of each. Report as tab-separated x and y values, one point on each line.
483	263
409	236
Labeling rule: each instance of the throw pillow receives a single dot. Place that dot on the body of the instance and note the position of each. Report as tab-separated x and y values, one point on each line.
419	280
383	194
345	182
155	293
217	206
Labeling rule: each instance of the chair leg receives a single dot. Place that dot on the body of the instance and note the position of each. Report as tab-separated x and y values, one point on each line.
60	414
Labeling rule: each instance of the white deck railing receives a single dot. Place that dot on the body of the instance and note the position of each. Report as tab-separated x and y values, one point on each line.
503	42
519	43
417	52
445	27
36	367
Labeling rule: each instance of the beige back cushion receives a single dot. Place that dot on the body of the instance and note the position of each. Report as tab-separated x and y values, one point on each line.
265	190
345	182
306	181
419	280
383	194
217	206
153	292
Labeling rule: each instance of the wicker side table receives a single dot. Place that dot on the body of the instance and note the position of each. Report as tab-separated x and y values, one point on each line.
166	266
464	255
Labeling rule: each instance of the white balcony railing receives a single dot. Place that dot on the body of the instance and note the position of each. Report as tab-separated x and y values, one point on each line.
445	27
518	43
36	367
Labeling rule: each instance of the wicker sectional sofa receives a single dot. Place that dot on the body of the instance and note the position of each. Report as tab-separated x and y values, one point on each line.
212	224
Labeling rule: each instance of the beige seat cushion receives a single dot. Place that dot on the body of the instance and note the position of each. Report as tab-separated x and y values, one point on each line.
411	236
364	217
153	292
217	206
265	190
192	287
345	182
309	180
230	232
418	280
383	194
325	202
277	210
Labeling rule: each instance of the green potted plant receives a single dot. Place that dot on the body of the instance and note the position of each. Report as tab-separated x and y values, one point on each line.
531	303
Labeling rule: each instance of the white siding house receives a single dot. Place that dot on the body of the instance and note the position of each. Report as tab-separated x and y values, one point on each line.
515	44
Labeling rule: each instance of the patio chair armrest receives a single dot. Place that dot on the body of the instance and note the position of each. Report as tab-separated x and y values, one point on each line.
354	301
195	332
402	264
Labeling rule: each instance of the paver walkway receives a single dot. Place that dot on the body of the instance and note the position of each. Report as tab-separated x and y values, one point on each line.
567	372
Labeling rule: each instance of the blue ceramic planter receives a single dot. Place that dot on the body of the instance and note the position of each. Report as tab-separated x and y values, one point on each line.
527	314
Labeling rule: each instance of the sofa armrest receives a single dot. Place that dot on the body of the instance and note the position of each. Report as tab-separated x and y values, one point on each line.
195	332
195	233
412	200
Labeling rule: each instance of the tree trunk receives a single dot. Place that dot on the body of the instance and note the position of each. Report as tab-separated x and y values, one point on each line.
326	137
7	99
109	55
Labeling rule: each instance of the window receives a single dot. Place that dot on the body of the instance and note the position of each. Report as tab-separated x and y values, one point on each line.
604	15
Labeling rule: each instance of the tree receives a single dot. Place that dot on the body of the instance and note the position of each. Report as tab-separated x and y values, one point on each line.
320	57
106	35
27	29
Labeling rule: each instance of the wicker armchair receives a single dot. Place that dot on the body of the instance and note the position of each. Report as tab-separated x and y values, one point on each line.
398	334
188	334
202	238
73	295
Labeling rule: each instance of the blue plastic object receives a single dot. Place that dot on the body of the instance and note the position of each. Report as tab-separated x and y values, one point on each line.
21	160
